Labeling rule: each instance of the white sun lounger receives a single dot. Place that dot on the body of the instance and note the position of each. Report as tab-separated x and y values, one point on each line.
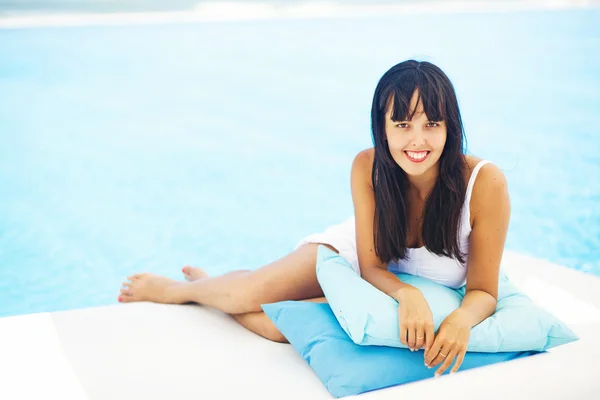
149	351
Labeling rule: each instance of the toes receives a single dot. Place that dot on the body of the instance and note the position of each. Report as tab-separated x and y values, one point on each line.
126	289
187	270
125	298
135	276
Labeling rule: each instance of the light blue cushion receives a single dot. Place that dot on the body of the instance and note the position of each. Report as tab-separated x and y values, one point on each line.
370	317
346	368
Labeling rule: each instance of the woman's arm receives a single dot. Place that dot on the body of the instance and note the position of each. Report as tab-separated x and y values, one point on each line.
490	208
372	269
414	315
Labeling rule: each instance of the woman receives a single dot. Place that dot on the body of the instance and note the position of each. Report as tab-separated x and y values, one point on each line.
421	206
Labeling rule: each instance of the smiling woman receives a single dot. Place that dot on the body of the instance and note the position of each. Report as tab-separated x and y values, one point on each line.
423	218
398	204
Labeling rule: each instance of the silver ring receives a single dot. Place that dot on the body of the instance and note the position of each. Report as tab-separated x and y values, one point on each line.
443	355
420	337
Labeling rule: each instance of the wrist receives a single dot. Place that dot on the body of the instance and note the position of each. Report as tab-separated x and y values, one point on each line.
399	293
467	315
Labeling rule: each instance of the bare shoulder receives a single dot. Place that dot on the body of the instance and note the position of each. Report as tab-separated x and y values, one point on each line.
472	162
366	156
490	190
488	174
363	163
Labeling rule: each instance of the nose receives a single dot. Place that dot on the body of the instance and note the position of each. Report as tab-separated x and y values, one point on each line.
418	138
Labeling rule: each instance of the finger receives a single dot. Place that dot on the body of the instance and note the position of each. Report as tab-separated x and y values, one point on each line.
420	335
429	336
447	362
411	337
459	360
442	355
403	332
434	350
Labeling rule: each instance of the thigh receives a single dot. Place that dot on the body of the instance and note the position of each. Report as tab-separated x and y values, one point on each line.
292	277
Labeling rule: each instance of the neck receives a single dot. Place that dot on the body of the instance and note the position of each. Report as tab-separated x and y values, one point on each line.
422	185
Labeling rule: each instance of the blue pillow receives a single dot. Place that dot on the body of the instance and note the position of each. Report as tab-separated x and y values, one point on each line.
346	368
370	317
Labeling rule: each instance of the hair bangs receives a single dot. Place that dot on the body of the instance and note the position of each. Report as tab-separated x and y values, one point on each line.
431	96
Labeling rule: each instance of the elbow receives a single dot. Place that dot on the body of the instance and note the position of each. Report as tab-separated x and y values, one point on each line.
367	273
372	275
490	296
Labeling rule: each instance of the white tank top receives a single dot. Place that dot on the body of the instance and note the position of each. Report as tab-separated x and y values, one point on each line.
445	270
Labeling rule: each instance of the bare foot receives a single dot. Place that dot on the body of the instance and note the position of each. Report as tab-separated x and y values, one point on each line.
150	287
193	274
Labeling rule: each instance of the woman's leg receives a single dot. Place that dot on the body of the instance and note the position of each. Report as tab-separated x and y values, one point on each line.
259	323
292	277
256	322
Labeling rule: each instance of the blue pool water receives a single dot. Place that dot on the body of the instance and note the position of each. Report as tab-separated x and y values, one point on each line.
130	149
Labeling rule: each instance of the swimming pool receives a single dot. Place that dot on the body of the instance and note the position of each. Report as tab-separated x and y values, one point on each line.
146	148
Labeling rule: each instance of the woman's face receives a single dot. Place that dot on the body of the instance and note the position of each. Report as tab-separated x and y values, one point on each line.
415	145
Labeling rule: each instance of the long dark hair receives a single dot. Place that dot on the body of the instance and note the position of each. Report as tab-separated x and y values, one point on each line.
443	205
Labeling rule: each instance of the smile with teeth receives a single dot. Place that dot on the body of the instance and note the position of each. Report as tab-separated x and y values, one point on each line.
417	156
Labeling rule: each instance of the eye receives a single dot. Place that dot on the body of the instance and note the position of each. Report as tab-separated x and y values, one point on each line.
402	125
432	124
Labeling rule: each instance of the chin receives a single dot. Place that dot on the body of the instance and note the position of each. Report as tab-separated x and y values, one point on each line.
411	171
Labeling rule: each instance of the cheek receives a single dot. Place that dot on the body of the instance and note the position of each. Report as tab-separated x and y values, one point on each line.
396	143
397	151
438	141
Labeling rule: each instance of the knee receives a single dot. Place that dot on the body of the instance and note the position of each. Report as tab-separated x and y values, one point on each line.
271	332
330	247
260	324
312	246
245	300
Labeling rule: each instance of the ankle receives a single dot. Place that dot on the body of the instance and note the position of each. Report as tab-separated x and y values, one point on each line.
178	293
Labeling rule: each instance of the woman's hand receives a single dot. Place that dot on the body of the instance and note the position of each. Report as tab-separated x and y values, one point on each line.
451	341
416	320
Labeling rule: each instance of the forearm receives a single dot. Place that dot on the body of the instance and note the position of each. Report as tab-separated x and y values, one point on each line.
479	305
384	280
